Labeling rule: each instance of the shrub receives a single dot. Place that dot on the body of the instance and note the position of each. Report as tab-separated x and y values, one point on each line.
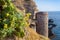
12	21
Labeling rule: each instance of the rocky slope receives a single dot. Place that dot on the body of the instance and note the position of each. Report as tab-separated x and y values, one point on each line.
29	35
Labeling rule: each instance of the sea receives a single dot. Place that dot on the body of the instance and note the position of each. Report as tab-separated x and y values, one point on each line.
55	15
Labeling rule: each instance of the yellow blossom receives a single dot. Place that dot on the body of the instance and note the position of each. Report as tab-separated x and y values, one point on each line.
27	24
28	14
11	5
7	14
26	18
5	26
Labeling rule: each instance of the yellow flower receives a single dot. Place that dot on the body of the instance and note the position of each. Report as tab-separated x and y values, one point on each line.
28	14
5	26
27	24
26	18
11	5
7	14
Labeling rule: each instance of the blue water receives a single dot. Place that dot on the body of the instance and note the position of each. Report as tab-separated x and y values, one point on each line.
56	17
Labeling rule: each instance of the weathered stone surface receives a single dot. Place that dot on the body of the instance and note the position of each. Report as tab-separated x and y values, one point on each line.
29	6
42	23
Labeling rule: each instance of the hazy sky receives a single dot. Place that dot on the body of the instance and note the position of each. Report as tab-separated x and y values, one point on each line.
48	5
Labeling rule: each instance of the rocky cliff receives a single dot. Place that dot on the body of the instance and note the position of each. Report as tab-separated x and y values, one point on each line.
28	6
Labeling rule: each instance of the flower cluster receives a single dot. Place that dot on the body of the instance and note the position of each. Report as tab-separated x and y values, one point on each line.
26	18
12	21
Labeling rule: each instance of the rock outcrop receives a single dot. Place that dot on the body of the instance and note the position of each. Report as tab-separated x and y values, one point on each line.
28	5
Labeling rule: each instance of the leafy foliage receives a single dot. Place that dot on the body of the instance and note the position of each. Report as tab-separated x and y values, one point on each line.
12	21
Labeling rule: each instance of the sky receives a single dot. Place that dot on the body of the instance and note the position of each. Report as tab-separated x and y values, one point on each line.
48	5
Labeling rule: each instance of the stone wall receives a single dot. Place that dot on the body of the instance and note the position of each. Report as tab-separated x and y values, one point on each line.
42	23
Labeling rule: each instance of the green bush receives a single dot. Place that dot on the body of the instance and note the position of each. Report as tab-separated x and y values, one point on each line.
11	20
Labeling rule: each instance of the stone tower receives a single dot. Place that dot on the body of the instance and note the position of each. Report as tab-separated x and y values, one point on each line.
42	23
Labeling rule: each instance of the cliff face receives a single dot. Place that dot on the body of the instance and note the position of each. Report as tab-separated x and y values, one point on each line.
28	5
19	4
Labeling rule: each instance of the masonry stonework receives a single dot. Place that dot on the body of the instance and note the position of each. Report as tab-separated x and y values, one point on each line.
42	23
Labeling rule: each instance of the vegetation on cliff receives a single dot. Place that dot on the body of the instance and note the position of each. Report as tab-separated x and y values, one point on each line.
14	23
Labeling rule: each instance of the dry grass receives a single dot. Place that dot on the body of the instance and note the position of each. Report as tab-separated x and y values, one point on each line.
32	35
29	35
